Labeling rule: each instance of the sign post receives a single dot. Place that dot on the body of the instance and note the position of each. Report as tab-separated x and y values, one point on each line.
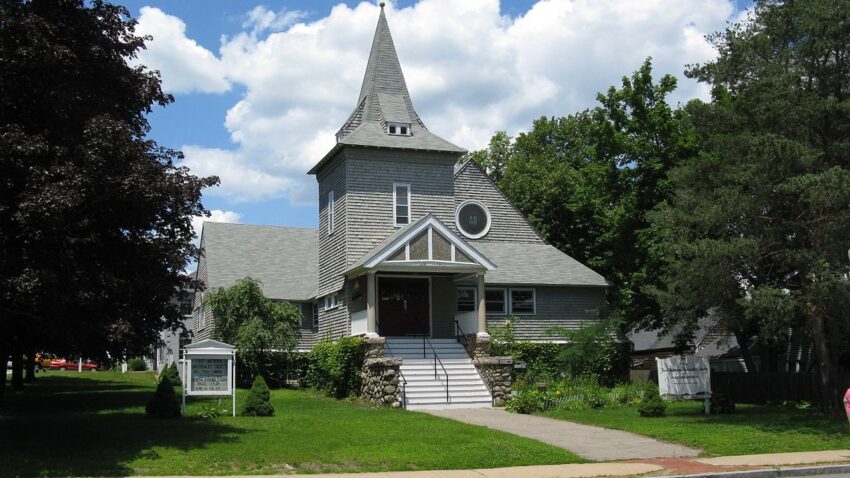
685	377
209	369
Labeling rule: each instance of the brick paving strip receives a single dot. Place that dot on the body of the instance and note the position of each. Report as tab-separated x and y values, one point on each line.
592	443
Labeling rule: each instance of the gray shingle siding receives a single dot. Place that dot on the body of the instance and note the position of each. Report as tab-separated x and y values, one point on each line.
563	307
507	224
332	248
371	174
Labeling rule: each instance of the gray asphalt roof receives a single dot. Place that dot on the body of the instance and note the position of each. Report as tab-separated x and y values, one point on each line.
284	259
384	97
540	264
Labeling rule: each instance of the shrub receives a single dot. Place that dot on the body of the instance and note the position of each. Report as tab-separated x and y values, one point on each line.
212	410
335	366
172	374
258	403
137	364
163	403
526	402
722	404
594	351
652	406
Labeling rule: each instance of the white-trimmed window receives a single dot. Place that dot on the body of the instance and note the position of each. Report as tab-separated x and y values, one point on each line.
467	298
331	217
401	204
201	319
332	301
523	301
473	219
399	129
495	302
315	315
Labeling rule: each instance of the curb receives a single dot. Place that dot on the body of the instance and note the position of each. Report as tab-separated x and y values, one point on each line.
772	472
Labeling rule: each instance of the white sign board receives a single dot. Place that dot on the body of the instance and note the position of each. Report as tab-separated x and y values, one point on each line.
210	375
684	376
209	368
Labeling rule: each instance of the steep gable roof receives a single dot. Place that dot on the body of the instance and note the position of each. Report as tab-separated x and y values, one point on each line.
284	259
384	98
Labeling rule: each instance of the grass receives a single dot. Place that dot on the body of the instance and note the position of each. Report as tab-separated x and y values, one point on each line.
752	429
94	424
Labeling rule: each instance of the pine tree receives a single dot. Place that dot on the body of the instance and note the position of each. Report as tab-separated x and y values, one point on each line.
258	404
163	403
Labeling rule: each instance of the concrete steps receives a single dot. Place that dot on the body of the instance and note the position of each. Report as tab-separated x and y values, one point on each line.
426	389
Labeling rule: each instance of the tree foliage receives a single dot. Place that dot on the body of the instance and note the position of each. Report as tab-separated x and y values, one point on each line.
256	325
586	182
759	226
95	218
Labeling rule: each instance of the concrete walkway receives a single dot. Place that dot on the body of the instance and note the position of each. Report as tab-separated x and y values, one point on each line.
593	443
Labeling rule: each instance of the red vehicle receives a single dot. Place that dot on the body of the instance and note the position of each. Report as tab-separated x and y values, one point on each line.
62	364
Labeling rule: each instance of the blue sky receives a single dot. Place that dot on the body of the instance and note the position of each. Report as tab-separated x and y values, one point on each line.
260	88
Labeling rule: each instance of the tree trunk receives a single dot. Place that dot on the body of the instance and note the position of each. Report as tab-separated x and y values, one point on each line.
744	344
829	395
3	354
17	368
30	368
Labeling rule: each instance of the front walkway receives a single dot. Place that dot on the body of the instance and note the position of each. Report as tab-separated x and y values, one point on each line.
593	443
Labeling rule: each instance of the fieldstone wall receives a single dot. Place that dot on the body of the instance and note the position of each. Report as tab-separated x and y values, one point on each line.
381	381
477	346
496	372
374	346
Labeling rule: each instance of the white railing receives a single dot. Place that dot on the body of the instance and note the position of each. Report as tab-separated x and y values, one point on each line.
468	321
358	323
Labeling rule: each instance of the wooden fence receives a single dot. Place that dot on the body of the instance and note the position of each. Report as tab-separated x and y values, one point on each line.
762	387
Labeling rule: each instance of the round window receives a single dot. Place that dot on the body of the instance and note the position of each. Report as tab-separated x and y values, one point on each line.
473	219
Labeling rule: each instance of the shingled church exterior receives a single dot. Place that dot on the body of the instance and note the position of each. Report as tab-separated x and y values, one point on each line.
409	243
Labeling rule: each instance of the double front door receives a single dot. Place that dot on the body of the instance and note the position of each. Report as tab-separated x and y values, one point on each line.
403	306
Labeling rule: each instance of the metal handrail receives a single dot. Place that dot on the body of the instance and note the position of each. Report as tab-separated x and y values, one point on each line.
403	389
436	359
459	333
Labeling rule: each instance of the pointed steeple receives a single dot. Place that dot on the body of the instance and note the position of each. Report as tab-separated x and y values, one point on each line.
384	114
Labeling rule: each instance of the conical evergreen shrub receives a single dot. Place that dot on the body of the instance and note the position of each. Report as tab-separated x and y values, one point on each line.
258	404
163	403
172	374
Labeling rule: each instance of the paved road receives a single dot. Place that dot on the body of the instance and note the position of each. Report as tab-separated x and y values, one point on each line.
593	443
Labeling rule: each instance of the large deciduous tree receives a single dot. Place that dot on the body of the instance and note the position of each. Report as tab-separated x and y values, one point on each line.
95	218
256	325
586	182
759	226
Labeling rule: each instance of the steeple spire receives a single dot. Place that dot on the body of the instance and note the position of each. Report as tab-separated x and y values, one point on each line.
384	116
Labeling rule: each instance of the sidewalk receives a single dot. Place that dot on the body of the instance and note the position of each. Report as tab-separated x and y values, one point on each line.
586	441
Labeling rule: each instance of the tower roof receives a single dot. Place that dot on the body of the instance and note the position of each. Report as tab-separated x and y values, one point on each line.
384	99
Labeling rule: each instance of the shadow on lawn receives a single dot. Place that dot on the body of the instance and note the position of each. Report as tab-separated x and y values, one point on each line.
772	419
58	428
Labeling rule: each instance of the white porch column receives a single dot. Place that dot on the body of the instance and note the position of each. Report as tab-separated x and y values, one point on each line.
482	307
371	294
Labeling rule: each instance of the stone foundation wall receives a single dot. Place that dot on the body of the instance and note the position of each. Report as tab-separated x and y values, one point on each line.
477	346
496	372
381	381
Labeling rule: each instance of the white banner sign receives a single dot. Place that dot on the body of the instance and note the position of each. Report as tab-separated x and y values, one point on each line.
684	376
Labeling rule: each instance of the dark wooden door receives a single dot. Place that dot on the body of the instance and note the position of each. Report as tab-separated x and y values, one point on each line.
403	306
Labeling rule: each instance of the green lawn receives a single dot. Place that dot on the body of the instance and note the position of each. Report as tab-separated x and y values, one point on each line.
94	424
752	429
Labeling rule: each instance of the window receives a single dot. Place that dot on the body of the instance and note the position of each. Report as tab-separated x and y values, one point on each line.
306	315
472	219
399	129
494	300
401	204
330	213
315	316
466	299
332	301
522	301
200	318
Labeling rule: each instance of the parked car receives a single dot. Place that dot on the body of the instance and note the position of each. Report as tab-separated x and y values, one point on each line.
62	364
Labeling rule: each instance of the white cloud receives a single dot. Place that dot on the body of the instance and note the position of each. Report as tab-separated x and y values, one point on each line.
185	65
216	215
470	70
